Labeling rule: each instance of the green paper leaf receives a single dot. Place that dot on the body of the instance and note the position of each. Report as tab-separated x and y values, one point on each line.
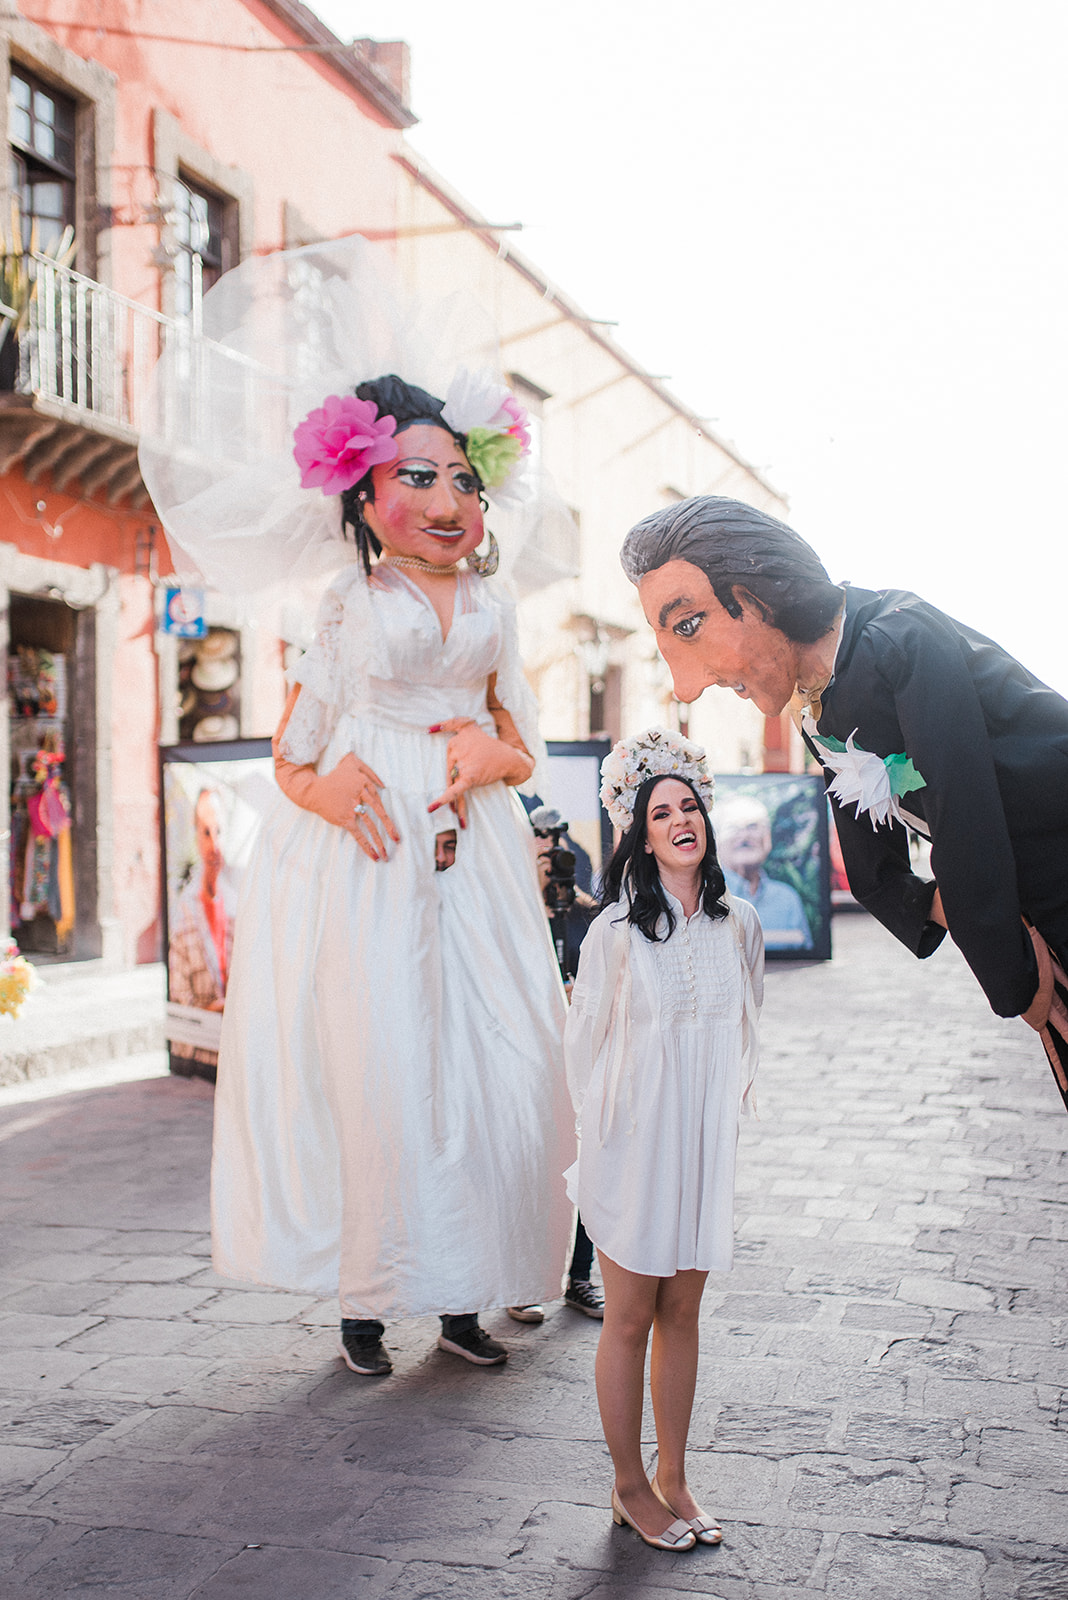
902	774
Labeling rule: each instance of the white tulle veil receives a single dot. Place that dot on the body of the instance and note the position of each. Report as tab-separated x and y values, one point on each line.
278	334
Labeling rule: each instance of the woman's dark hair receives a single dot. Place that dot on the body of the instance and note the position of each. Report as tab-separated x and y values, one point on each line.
737	546
409	406
633	871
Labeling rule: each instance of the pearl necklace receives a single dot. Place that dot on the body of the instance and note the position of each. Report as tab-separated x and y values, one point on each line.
420	565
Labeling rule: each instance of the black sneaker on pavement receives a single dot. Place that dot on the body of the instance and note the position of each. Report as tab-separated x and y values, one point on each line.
585	1297
365	1356
474	1344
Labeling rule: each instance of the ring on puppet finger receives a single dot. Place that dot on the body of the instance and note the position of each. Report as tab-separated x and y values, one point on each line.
454	773
359	809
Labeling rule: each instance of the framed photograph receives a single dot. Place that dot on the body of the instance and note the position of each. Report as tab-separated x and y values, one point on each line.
575	776
772	838
213	799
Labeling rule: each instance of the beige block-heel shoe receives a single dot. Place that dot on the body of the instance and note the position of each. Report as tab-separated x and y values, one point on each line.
706	1530
679	1536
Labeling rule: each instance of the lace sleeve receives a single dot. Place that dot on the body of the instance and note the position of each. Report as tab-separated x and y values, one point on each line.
329	673
515	693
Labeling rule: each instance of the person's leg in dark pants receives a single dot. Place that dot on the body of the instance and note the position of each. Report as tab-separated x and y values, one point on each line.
581	1293
462	1336
361	1347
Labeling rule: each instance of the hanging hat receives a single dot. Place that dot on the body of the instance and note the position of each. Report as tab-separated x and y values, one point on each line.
211	730
219	644
214	674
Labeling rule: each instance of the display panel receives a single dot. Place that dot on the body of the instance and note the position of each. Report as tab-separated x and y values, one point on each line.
211	812
772	839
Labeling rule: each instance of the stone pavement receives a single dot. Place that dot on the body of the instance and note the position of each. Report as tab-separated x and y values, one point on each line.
881	1411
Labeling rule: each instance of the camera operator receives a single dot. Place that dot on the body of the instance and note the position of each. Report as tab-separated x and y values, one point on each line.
570	911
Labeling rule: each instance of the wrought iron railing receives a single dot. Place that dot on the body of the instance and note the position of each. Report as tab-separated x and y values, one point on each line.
92	352
84	346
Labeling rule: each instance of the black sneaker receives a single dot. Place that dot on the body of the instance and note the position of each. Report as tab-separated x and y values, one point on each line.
364	1355
585	1297
474	1344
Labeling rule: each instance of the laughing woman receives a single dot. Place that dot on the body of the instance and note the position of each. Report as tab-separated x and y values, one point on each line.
661	1049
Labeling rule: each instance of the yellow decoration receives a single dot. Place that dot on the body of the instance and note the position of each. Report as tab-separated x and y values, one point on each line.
17	978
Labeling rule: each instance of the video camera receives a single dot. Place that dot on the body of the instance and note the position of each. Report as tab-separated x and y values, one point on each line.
559	891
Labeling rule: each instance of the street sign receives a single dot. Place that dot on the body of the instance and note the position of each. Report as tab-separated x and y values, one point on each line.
183	614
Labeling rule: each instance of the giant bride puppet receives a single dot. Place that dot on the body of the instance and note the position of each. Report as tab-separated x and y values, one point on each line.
392	1118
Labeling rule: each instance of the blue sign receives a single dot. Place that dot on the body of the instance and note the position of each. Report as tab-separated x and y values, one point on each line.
183	614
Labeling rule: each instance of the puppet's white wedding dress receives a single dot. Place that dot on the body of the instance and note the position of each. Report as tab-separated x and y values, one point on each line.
391	1108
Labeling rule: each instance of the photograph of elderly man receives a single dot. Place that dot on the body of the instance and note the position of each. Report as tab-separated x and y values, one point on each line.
743	836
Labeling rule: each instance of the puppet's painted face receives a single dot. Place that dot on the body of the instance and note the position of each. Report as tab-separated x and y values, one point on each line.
426	501
675	831
703	644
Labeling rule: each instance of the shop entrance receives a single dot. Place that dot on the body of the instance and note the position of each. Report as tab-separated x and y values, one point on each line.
52	725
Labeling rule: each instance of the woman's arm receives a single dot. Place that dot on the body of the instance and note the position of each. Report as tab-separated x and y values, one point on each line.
335	795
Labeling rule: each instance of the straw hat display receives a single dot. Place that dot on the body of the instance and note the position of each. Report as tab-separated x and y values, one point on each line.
211	730
209	676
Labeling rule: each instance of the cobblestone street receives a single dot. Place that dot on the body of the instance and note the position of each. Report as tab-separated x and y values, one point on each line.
881	1409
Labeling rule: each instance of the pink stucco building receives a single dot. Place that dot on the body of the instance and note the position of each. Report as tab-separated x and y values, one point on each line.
174	138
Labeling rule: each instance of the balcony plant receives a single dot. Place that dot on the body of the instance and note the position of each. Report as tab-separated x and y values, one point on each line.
18	283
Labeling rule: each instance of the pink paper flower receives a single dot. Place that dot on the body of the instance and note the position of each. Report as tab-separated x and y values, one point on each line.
518	429
335	445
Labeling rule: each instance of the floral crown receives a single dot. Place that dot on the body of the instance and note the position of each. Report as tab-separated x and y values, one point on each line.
341	440
656	753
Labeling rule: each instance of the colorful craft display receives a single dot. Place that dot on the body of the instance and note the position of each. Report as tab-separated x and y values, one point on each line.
37	683
41	863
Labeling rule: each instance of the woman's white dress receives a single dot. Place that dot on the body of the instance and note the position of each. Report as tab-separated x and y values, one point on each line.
661	1050
392	1112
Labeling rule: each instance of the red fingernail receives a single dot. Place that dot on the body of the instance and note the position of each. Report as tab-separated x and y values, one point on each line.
435	729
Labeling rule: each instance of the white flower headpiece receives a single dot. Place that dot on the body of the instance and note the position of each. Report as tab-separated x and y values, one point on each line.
656	753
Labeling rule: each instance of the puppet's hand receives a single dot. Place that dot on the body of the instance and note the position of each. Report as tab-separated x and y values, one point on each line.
1047	1007
475	759
348	797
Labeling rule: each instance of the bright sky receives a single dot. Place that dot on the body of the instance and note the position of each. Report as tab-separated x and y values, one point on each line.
839	228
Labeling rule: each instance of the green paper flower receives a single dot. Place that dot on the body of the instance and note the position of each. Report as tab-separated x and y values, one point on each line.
900	770
493	454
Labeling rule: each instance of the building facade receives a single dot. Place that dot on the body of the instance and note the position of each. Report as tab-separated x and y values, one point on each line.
141	166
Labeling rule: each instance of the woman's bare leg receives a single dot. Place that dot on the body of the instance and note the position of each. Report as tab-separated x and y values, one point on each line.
672	1381
629	1307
